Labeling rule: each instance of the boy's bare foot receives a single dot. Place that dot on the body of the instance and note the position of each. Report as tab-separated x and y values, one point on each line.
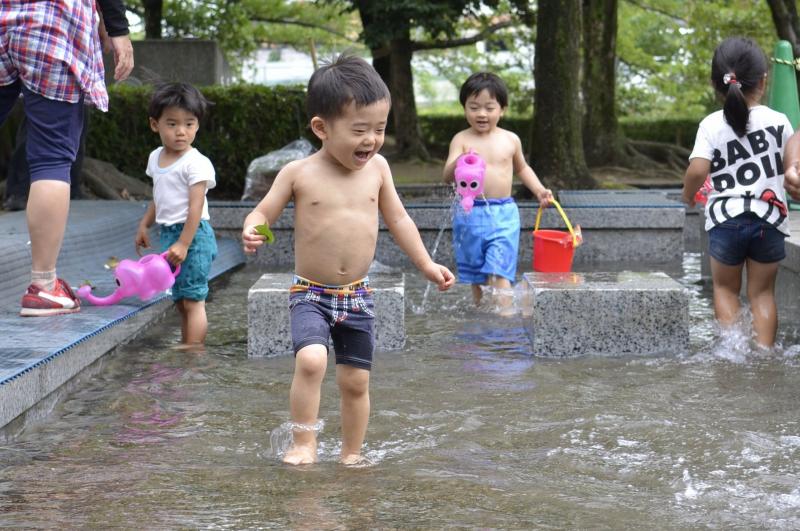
300	455
196	348
355	460
507	311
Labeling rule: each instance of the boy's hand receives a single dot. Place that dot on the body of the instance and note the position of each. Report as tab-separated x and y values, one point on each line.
176	254
251	239
545	197
439	275
142	240
791	181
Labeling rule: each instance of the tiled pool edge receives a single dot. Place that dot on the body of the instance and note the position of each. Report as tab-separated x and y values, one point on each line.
33	393
40	370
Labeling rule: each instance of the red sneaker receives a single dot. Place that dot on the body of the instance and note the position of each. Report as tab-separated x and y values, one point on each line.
37	302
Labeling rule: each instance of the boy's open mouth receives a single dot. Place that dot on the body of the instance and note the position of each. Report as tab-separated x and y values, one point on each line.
362	155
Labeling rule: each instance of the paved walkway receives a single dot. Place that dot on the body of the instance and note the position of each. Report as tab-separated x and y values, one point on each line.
38	354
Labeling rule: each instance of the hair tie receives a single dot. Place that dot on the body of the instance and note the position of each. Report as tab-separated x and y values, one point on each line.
730	79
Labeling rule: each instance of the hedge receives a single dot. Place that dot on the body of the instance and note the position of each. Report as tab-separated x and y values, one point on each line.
438	130
244	122
247	121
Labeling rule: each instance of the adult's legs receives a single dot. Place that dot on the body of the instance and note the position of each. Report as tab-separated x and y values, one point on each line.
354	390
304	398
727	282
54	129
18	180
761	294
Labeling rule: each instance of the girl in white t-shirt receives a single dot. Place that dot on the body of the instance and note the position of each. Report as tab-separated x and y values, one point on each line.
739	148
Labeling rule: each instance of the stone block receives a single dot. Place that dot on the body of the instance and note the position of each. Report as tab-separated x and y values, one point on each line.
607	314
268	329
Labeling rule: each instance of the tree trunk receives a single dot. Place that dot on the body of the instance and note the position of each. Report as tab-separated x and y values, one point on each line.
408	136
380	49
153	14
787	24
381	60
602	142
557	145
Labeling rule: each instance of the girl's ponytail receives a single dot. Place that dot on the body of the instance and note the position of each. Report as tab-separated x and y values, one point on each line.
737	70
736	111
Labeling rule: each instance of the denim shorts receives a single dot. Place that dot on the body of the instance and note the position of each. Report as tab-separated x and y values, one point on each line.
192	282
346	314
746	236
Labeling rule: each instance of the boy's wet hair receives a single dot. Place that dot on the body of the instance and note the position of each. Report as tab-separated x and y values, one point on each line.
737	69
181	95
480	81
347	79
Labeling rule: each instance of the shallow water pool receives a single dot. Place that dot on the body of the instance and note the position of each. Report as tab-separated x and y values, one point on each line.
466	430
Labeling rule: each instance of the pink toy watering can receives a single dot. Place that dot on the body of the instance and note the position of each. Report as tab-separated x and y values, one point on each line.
144	278
469	173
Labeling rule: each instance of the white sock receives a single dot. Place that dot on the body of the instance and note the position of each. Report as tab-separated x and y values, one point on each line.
44	279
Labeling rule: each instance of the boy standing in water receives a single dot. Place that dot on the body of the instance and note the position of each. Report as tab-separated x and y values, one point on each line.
486	240
338	192
181	177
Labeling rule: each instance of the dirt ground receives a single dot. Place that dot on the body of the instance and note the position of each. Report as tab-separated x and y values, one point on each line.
418	172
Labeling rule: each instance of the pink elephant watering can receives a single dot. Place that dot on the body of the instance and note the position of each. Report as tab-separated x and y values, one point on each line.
150	275
469	173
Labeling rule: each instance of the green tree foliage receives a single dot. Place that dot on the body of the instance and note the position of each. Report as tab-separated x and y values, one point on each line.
394	30
242	26
665	48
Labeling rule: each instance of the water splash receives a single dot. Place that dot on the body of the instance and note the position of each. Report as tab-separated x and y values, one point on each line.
281	438
689	492
446	220
419	310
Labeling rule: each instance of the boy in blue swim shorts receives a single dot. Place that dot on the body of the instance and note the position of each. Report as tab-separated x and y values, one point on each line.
486	240
338	194
181	177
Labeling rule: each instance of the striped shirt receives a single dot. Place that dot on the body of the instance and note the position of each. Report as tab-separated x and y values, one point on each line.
54	48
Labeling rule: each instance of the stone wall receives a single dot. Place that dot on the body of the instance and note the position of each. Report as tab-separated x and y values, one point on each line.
195	61
651	235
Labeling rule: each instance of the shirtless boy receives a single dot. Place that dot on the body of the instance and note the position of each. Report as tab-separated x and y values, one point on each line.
338	192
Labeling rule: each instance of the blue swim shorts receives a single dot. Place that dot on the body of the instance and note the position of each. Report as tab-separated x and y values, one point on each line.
192	282
486	241
746	236
346	314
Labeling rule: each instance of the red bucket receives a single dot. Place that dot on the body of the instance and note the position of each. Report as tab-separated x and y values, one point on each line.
553	249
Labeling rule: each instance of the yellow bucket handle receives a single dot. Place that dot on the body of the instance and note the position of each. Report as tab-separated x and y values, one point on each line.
561	211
